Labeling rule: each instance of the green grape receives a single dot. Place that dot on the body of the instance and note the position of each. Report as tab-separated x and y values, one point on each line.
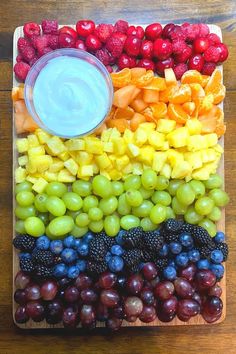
25	198
214	181
20	226
44	217
161	197
178	208
95	214
149	179
132	182
147	224
192	217
143	209
215	214
117	188
219	197
89	202
73	214
78	231
158	214
40	202
34	226
146	194
161	183
56	189
82	188
61	225
96	226
170	213
48	233
112	225
134	198
82	220
55	206
185	194
102	186
174	185
25	186
24	212
123	207
72	201
204	205
129	221
198	188
108	205
209	226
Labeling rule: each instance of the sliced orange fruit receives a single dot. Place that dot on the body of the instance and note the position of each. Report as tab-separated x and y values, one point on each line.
143	80
120	124
150	96
157	83
164	96
189	107
191	77
182	95
177	113
197	91
138	105
121	78
137	72
126	113
136	120
218	93
159	110
205	104
100	129
214	81
205	79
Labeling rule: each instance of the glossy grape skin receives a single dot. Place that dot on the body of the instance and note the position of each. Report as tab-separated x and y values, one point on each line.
25	198
211	318
185	194
134	284
61	225
129	221
164	317
123	207
133	197
82	188
147	296
113	323
54	311
109	298
44	217
117	188
49	290
95	214
158	214
174	185
131	319
112	225
164	290
170	213
213	305
132	182
55	206
205	279
108	205
25	212
215	214
21	315
188	272
88	296
56	189
204	205
35	310
72	201
133	306
83	281
34	226
188	308
82	220
20	226
214	181
20	297
71	294
161	197
192	217
183	288
70	317
198	188
209	226
149	179
91	201
170	305
144	209
102	312
148	314
178	208
219	197
87	315
21	280
25	186
96	226
149	271
161	183
147	224
107	280
146	194
32	292
197	297
215	290
102	186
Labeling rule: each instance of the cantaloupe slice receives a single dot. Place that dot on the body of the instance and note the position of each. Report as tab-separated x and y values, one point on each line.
123	96
150	96
136	120
138	105
120	124
23	120
126	113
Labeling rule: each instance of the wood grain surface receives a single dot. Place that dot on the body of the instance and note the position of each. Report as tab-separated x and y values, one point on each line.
211	339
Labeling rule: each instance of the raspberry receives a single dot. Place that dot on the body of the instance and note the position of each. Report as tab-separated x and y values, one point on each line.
28	53
53	41
212	54
43	51
191	32
32	61
177	34
208	68
40	42
21	70
162	48
203	30
121	26
223	50
104	31
115	46
93	43
31	29
50	26
178	46
19	58
120	36
103	56
22	43
213	38
184	56
109	69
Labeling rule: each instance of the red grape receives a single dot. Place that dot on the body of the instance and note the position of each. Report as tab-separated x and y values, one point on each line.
197	298
131	319
20	297
148	314
169	306
188	272
71	294
21	280
164	317
33	292
149	271
114	323
49	289
102	312
110	298
215	291
35	310
183	288
134	284
147	296
87	315
213	305
54	312
88	296
188	308
21	315
164	290
107	280
118	312
133	306
83	281
205	279
70	317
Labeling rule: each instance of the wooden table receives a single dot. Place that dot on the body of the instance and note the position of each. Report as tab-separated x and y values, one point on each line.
218	339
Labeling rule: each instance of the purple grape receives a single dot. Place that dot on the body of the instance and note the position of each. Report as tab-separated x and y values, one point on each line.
213	305
211	318
149	271
154	282
21	315
87	315
49	290
170	305
205	279
107	280
164	317
148	314
188	272
164	290
147	296
54	312
70	317
110	298
113	323
197	297
215	290
188	308
118	312
134	284
64	283
102	312
183	288
83	281
133	306
131	319
32	292
35	310
21	280
71	294
20	297
88	296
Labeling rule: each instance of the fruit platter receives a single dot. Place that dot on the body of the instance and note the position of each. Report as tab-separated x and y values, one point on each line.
118	155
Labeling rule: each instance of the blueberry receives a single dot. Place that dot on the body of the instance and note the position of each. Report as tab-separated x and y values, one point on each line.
219	237
217	256
170	273
175	247
77	242
73	272
119	237
83	249
163	252
218	270
88	236
81	264
203	264
194	255
117	250
186	240
171	263
108	256
69	255
43	243
116	264
69	241
56	246
24	255
60	270
182	259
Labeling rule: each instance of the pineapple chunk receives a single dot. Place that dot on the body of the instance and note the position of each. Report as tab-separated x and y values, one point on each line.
121	162
137	168
75	144
71	166
105	136
201	174
56	165
36	151
119	146
50	176
95	169
148	127
65	176
43	162
194	126
146	155
165	146
140	137
31	166
208	155
39	185
194	159
105	174
56	145
84	158
166	171
31	179
174	157
114	134
211	139
93	145
178	138
43	136
115	175
108	146
64	156
128	136
218	148
196	142
133	150
20	174
103	161
165	125
32	140
23	160
86	170
156	139
22	145
128	169
159	160
181	170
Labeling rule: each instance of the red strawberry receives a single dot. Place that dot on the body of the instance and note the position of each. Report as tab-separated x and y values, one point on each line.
85	27
79	44
132	45
21	70
104	31
115	46
93	43
162	48
121	26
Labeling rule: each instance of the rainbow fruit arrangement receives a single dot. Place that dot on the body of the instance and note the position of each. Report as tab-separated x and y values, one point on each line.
121	224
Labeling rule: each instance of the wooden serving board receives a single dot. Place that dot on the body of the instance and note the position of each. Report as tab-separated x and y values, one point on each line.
197	320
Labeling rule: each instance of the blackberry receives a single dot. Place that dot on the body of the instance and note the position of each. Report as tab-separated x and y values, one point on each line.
108	241
26	265
96	268
173	225
206	250
153	241
171	237
223	247
97	248
161	263
133	238
134	268
187	228
201	236
132	257
148	256
43	272
24	242
44	257
57	259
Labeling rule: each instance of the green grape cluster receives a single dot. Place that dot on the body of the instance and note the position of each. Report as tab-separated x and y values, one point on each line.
100	204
